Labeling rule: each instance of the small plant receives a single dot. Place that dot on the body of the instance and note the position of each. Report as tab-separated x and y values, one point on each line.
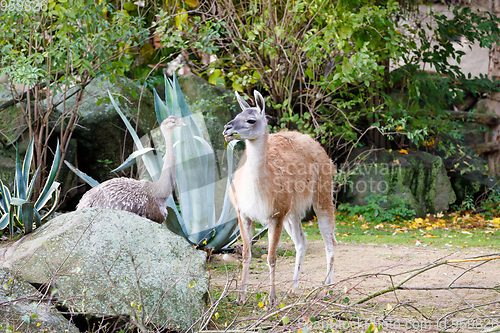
467	204
491	205
19	212
380	208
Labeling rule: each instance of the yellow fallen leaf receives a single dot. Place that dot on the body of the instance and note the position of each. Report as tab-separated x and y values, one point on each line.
364	226
403	151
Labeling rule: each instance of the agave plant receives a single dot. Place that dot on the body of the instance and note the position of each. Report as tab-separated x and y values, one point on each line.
18	211
195	175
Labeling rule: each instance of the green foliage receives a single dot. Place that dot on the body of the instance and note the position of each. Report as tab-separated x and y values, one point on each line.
380	208
52	53
491	205
73	33
172	33
18	211
466	205
325	65
308	54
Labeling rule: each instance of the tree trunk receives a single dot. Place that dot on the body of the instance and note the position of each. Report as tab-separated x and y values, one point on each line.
493	102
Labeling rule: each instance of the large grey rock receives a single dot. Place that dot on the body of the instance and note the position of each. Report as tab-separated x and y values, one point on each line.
417	177
111	263
468	173
22	308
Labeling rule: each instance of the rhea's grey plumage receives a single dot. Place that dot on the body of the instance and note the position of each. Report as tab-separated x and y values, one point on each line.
142	197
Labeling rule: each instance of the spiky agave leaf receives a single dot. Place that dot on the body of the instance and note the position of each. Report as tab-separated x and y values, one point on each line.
29	191
50	185
4	205
4	221
195	167
89	180
132	159
20	181
5	200
195	177
26	212
28	157
55	200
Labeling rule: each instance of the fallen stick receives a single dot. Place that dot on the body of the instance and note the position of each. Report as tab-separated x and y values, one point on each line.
473	259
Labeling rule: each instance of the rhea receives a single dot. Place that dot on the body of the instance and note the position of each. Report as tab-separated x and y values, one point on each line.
142	197
281	176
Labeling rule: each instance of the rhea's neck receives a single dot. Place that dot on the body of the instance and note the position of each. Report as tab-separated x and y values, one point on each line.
163	187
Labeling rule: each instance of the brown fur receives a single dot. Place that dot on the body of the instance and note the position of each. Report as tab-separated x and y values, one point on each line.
299	172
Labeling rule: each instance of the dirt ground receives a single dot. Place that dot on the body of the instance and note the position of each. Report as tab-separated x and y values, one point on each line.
361	270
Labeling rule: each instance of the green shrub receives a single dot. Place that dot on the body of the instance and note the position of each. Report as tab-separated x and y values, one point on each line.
380	208
19	212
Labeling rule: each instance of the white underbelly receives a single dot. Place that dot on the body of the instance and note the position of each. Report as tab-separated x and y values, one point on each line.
254	206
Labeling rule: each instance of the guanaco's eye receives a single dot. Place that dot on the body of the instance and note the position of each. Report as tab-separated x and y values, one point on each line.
251	121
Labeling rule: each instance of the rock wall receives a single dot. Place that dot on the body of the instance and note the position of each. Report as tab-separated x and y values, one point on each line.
417	177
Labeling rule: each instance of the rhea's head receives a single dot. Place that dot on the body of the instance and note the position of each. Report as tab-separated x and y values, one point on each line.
170	123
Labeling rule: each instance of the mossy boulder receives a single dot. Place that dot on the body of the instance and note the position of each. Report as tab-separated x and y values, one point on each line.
417	177
23	308
468	173
103	262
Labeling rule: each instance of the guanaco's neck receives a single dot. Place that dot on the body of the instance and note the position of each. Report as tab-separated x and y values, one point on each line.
256	158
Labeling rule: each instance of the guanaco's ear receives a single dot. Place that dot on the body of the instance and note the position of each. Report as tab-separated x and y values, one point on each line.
259	102
243	104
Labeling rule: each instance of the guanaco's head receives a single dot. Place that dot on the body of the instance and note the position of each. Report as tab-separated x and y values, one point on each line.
251	123
170	123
